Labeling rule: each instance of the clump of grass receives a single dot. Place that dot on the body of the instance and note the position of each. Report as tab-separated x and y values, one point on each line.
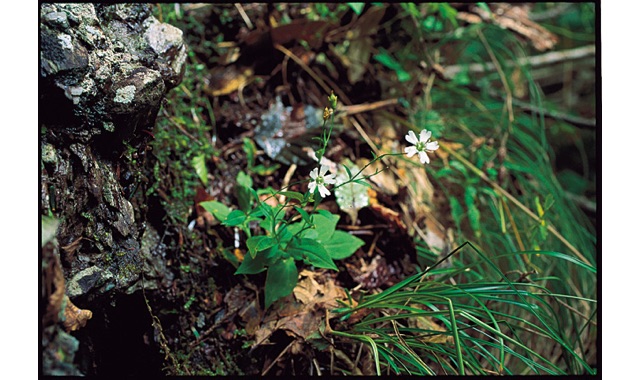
468	320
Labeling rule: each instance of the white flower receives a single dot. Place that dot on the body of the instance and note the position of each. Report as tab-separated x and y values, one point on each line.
320	179
421	146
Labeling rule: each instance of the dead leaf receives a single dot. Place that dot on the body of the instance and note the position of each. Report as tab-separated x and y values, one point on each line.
74	317
371	275
515	18
226	80
71	248
305	313
358	55
427	323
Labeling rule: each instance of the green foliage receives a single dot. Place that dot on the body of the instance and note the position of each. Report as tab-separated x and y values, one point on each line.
282	242
217	209
527	309
390	62
456	323
314	241
181	145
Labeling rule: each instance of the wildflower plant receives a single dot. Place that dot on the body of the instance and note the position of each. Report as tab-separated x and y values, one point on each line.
298	231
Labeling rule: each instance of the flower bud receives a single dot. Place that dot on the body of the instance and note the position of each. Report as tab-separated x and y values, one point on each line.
327	113
333	101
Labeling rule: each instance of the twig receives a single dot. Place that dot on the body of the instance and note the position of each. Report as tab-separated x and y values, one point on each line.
278	358
286	180
342	356
537	60
304	66
575	120
244	16
317	366
561	8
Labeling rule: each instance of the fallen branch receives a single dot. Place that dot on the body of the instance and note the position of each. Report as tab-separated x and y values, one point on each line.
538	60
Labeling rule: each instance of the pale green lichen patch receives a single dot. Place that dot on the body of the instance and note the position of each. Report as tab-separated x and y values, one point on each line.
125	94
109	126
49	154
65	41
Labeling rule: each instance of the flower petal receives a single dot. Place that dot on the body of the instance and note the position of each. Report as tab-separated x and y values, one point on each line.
323	191
410	151
330	179
312	186
411	137
425	135
323	169
433	145
424	159
314	174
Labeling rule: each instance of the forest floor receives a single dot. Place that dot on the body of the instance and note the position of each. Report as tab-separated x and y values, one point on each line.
246	113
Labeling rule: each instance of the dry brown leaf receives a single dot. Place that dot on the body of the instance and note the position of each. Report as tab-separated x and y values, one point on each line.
74	317
515	18
426	323
301	317
226	80
71	248
372	275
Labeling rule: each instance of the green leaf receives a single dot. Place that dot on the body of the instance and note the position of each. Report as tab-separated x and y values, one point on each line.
362	182
235	218
474	219
250	149
256	244
273	254
325	224
342	245
293	195
244	179
457	212
346	168
356	7
304	214
312	252
389	61
251	265
200	165
218	209
449	12
284	234
282	277
265	170
244	191
458	165
473	212
267	211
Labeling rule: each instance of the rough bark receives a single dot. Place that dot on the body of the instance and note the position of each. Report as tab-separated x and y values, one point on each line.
104	70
